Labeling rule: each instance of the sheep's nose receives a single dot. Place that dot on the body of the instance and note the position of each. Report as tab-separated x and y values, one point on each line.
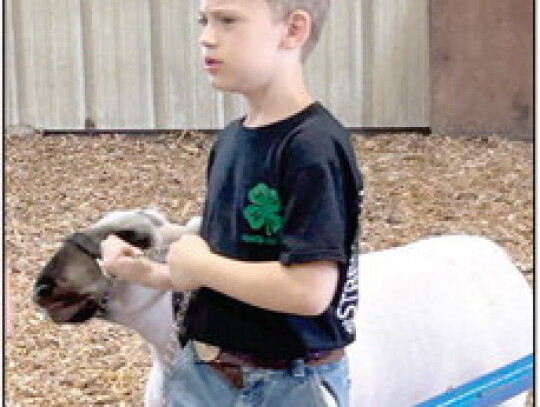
44	287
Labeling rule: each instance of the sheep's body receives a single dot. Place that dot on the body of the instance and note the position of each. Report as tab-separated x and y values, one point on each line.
432	315
435	314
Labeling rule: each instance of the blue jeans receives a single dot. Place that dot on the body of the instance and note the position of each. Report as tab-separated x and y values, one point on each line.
192	383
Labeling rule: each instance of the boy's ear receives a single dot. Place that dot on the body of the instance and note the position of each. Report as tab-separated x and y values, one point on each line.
298	29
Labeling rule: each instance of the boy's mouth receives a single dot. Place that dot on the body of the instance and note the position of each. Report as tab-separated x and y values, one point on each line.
211	64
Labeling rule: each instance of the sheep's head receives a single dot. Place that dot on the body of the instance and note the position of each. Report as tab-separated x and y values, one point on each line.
71	287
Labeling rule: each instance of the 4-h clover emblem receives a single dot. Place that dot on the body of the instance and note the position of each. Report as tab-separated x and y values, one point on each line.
264	210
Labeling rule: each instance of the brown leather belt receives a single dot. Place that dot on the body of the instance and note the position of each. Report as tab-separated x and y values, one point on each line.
230	364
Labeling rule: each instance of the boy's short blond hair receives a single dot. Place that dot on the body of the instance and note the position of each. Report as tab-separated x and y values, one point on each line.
317	9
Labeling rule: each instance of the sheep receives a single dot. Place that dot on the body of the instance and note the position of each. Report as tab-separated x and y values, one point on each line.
432	315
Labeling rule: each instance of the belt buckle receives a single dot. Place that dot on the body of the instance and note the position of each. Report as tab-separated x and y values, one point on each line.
206	352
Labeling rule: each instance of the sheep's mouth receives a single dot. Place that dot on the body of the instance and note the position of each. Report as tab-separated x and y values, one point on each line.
71	307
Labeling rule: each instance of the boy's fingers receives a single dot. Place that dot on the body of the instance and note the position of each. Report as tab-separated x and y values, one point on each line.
105	270
113	247
118	267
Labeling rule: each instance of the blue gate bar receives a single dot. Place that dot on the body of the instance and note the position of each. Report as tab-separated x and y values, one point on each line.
491	389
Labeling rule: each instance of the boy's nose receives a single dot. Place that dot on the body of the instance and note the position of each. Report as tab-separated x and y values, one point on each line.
207	39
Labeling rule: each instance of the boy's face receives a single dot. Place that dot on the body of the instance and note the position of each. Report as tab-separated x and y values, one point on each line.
240	42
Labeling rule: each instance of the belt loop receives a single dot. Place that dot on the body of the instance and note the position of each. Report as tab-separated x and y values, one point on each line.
298	368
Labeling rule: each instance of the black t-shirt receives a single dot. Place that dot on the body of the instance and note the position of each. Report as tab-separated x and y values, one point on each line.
289	192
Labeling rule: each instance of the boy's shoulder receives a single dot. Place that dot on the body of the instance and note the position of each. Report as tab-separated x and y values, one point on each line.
315	115
321	126
314	132
319	135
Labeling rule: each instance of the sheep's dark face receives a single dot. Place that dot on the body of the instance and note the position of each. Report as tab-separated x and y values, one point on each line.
71	287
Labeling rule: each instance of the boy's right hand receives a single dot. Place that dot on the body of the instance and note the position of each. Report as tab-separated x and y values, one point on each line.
187	260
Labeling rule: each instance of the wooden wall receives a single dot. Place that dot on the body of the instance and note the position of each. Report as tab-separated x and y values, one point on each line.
482	67
135	64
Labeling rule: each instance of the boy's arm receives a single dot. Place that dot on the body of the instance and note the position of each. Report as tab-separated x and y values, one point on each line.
303	289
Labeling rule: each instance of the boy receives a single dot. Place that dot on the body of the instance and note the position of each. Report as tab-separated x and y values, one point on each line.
275	263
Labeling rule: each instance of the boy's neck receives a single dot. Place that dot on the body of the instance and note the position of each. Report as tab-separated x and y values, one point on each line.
276	103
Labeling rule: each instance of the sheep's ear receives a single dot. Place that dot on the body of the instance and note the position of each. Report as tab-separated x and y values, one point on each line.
194	225
137	239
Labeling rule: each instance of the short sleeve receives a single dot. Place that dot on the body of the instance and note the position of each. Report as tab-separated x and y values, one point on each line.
314	215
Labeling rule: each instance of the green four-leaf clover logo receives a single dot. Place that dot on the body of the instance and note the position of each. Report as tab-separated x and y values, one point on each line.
265	209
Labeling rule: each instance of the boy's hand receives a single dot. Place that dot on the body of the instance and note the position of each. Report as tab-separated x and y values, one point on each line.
187	258
124	261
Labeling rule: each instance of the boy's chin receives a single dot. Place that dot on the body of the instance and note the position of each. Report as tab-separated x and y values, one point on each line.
221	85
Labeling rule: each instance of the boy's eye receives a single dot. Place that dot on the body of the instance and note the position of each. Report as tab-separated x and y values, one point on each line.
227	20
221	19
202	20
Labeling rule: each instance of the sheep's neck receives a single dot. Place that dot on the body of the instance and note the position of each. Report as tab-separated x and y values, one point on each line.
155	323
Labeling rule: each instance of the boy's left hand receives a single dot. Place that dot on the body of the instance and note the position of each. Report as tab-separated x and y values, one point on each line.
123	260
187	259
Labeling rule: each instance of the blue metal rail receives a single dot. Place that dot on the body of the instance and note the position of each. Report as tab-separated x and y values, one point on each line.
491	389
